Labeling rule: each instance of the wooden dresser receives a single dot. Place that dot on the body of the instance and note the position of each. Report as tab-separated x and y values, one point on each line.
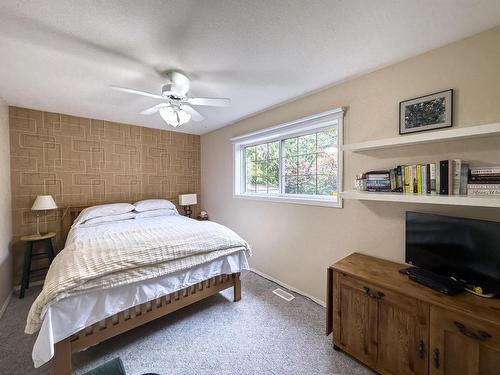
396	326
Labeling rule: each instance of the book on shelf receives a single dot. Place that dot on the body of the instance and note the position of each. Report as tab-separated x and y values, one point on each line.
406	178
483	186
378	176
443	177
424	178
484	181
414	177
392	179
464	173
457	170
475	179
446	177
451	176
399	175
460	173
375	175
492	190
485	193
428	179
378	181
379	187
438	178
485	171
419	179
384	182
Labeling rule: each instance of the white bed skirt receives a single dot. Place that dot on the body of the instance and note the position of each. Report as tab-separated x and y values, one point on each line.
73	314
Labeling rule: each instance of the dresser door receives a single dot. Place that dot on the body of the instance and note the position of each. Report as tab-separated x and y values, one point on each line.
461	345
403	331
355	319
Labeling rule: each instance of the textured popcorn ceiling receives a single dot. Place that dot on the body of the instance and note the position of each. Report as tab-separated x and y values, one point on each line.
61	56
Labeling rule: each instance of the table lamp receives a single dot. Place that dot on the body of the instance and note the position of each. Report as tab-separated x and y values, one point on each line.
186	200
42	203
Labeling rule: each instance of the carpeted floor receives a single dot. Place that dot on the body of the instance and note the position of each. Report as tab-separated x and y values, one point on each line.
261	334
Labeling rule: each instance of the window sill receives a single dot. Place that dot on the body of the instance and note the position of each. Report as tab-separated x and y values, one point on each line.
335	203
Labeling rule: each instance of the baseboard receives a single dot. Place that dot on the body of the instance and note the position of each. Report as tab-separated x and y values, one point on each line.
289	287
5	304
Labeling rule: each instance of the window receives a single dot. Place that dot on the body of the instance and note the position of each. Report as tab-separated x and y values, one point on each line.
295	162
262	168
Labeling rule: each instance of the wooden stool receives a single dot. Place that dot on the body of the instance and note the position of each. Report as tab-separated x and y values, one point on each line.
28	256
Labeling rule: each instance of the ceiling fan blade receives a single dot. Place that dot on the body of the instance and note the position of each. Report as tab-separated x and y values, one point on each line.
137	92
154	109
195	115
214	102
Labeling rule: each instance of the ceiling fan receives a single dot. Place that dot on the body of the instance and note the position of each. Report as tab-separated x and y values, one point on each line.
176	107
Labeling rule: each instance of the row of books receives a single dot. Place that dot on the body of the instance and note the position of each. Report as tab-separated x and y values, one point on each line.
446	177
484	181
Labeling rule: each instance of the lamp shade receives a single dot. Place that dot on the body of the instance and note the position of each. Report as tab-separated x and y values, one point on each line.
44	202
187	199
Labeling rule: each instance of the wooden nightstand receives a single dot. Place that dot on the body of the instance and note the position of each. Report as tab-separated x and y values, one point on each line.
199	218
28	256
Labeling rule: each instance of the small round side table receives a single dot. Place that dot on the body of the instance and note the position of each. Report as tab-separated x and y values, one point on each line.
29	255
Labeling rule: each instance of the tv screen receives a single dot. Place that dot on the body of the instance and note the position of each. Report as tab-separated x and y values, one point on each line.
466	249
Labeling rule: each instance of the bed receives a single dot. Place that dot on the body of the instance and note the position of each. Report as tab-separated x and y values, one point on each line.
111	303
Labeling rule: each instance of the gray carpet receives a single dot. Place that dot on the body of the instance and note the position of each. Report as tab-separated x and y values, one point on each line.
261	334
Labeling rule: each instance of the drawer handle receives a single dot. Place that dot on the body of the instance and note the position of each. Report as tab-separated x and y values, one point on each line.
369	293
421	349
436	358
480	335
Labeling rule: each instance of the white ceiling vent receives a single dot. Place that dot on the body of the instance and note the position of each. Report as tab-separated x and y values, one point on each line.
283	294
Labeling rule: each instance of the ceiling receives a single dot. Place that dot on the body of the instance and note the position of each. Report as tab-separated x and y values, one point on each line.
61	56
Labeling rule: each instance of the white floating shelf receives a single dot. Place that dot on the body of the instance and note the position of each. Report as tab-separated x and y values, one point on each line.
453	200
427	137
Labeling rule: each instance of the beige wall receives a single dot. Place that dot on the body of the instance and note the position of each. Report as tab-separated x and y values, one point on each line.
295	243
81	161
5	206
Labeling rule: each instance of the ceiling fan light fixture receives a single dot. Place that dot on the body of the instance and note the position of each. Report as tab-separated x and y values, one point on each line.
174	116
176	107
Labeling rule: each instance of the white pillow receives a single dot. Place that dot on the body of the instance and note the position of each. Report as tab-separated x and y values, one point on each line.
108	219
153	213
103	210
153	204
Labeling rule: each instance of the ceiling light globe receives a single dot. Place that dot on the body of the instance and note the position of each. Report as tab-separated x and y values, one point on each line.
174	116
183	117
169	116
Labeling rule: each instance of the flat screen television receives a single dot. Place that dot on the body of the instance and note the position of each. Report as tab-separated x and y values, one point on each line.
466	249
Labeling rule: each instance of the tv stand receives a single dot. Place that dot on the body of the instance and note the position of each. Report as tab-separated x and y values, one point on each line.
396	326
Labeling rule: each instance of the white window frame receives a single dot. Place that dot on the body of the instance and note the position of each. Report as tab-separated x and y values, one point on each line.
303	126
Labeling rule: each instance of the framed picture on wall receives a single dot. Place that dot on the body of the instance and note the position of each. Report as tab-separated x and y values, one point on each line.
434	111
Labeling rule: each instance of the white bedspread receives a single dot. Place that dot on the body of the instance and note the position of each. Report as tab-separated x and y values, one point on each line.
72	313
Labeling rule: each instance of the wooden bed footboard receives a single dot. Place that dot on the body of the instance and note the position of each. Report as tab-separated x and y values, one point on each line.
136	316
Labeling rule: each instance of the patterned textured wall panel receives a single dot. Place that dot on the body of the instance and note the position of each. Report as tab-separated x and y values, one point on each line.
82	161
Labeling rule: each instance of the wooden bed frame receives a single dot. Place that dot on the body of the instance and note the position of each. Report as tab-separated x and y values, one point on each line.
136	316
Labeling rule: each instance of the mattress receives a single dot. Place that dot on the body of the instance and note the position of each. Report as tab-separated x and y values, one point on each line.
70	315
